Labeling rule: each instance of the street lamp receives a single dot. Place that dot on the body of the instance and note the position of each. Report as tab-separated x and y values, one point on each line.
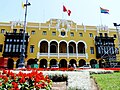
22	56
118	33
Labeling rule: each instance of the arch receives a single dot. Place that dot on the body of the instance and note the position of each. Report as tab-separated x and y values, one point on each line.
44	47
93	62
62	41
82	62
53	62
81	47
53	47
63	47
72	41
10	63
72	61
41	41
17	62
53	40
31	61
72	47
82	42
42	63
63	63
101	63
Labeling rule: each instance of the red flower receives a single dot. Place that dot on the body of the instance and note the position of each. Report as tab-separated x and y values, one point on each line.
38	85
22	80
0	84
15	85
5	79
4	72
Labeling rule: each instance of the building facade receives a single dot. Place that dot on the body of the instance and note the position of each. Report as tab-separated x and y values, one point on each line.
58	41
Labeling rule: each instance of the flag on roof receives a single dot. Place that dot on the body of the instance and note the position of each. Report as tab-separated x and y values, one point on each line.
105	11
69	12
64	9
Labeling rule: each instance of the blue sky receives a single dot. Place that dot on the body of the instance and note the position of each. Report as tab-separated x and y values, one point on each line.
83	11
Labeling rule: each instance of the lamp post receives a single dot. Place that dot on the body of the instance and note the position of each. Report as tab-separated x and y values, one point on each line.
118	33
22	56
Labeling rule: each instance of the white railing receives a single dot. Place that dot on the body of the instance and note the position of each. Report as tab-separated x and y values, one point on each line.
81	55
62	54
43	54
72	55
53	54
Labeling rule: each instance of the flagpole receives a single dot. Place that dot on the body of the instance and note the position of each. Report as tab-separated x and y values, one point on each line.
100	13
100	16
62	11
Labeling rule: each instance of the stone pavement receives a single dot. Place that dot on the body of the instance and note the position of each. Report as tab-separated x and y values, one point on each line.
62	85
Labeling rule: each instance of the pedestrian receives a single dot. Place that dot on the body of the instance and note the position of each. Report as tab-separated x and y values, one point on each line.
74	65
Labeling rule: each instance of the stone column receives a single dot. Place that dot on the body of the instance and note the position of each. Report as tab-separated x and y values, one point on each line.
25	63
38	62
67	51
58	51
77	51
48	64
77	63
14	66
48	50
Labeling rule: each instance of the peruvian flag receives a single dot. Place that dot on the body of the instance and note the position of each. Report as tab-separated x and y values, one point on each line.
64	9
69	12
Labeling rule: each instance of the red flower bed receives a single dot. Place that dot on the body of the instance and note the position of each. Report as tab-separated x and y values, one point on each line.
48	69
24	81
114	69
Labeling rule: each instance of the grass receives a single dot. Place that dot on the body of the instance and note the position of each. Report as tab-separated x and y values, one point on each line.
108	81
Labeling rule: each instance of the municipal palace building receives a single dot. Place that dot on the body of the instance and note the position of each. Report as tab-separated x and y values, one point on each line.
58	42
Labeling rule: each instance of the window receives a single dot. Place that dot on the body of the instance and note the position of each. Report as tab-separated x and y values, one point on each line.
14	30
114	36
1	46
100	34
21	30
81	35
90	34
6	48
44	33
53	33
14	40
10	40
10	47
72	34
63	33
13	48
92	50
117	50
7	40
31	48
2	30
17	40
106	35
17	48
32	32
20	48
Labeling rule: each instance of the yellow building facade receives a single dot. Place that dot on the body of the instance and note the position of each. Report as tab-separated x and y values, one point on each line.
59	41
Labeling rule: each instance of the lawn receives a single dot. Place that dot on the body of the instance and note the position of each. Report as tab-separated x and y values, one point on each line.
108	81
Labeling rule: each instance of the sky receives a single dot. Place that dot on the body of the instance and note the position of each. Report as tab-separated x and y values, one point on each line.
85	12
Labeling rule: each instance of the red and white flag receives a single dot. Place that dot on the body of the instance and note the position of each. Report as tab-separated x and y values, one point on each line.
69	12
65	10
